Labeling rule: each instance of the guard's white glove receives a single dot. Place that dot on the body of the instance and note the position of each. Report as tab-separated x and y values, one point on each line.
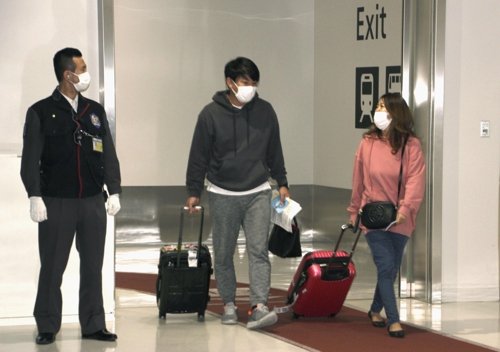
38	210
113	204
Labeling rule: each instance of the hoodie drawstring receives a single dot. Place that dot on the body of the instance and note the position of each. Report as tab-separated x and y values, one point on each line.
248	126
234	134
234	130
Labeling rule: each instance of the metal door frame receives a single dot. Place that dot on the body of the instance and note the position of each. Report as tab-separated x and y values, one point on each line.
423	88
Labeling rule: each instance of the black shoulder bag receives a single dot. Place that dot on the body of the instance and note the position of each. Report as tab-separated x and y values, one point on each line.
379	215
285	244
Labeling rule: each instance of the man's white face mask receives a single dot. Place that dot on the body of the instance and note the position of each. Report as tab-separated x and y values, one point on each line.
245	93
84	83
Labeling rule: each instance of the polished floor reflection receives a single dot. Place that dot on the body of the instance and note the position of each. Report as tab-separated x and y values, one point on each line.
139	328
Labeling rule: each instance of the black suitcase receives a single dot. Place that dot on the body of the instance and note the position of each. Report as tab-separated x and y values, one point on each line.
184	276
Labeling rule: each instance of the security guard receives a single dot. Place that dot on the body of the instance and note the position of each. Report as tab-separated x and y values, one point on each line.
68	156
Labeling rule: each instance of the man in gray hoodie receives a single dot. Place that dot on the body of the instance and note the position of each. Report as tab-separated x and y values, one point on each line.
236	146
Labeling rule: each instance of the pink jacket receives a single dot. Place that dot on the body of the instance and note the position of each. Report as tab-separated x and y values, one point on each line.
375	178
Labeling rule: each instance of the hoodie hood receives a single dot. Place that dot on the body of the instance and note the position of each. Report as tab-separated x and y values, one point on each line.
222	99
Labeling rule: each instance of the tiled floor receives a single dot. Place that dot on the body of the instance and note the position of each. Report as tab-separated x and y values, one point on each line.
139	329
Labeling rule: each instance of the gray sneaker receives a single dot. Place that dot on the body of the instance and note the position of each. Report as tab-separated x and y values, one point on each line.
230	314
260	317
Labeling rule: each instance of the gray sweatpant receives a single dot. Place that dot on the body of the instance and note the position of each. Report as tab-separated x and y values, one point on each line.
253	212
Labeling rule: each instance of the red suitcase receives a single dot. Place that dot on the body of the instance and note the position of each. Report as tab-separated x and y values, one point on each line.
322	281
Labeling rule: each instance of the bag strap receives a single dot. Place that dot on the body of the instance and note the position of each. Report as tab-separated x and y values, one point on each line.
400	178
401	170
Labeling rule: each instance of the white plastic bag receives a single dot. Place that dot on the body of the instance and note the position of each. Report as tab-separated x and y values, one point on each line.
285	217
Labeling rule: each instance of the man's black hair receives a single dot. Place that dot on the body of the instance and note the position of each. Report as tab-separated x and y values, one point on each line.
63	60
241	67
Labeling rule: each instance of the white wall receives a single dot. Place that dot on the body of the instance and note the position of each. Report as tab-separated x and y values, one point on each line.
32	32
170	58
337	55
471	163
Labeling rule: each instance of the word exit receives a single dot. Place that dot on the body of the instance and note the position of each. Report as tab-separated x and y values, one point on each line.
370	25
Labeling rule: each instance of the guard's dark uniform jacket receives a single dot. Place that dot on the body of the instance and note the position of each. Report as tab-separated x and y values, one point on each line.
53	164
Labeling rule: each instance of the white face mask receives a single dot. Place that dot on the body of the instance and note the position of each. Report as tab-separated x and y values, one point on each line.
381	120
245	93
84	82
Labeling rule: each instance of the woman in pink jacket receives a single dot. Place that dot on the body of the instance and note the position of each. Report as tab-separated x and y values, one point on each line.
375	178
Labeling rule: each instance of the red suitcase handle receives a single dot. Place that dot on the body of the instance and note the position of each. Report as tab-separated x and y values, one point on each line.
343	228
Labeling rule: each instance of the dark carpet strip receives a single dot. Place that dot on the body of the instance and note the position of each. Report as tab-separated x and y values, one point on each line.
350	330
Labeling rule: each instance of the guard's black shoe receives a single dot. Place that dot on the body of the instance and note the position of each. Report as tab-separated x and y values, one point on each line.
101	335
45	338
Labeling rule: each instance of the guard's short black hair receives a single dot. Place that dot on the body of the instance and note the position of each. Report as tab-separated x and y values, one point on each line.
63	60
241	67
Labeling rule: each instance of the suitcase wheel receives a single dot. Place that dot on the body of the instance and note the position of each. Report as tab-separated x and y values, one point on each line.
201	315
295	316
162	315
332	315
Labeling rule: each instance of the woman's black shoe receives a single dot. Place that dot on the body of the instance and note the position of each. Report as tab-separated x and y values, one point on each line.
397	333
378	324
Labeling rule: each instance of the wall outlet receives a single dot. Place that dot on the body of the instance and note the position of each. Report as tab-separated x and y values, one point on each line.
485	129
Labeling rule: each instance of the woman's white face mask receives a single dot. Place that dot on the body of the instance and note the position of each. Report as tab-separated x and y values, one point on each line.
381	120
245	93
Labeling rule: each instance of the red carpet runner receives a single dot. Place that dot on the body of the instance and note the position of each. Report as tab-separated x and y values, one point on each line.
350	330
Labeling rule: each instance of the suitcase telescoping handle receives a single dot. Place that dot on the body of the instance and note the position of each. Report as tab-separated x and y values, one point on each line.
345	227
181	229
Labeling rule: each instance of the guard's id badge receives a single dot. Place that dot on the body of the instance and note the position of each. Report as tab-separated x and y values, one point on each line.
97	144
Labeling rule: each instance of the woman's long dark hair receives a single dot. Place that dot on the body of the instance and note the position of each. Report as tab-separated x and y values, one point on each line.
401	125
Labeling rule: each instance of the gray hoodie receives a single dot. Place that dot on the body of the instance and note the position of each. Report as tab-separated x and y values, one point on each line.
236	149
